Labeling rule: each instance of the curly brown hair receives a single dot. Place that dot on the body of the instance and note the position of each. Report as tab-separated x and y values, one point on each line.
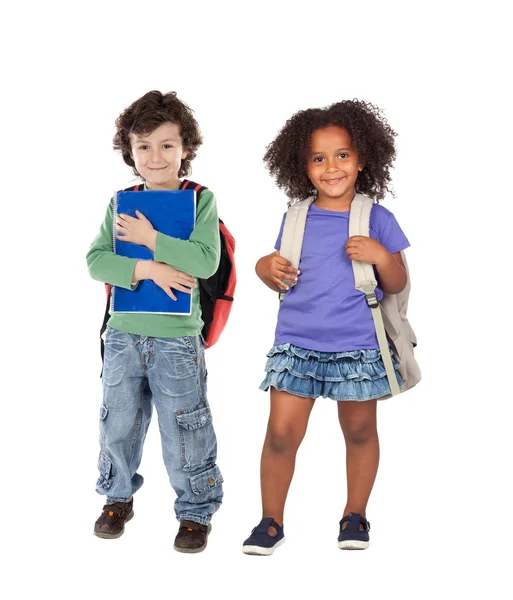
149	112
371	135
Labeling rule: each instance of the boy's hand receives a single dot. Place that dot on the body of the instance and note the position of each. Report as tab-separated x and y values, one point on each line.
366	249
166	278
274	268
136	230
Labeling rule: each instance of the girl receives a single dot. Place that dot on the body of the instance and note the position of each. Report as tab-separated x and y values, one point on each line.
325	343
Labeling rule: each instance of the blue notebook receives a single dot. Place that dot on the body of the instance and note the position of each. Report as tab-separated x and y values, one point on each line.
172	213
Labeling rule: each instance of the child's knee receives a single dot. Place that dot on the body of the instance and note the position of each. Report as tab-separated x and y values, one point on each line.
360	432
282	440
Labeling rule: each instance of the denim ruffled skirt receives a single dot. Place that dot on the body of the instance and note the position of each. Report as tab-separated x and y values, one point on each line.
354	375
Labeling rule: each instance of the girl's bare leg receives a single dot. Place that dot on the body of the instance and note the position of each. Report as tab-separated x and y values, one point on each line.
358	422
285	431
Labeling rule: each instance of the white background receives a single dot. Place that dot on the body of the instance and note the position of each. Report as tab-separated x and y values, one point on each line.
441	507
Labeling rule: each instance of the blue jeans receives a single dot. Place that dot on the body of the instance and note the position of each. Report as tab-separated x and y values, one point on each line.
170	373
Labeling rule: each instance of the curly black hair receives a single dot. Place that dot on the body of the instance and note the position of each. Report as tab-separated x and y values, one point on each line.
149	112
371	135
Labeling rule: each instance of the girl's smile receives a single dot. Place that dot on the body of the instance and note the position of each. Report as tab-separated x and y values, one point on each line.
333	181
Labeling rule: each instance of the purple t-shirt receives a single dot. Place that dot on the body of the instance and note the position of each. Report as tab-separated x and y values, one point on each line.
324	311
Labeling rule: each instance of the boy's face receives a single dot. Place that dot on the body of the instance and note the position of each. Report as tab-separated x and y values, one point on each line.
158	156
333	164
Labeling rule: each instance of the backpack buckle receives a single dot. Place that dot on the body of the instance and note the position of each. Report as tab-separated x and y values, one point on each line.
372	300
369	289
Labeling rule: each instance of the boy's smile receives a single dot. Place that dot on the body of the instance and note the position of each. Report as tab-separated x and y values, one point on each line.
333	167
158	156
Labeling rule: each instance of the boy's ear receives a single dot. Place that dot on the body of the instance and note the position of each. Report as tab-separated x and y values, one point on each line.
185	154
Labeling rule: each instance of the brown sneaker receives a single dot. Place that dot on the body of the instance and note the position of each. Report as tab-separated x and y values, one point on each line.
111	523
192	537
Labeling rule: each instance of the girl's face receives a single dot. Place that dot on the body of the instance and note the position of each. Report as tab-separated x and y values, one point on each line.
158	156
333	164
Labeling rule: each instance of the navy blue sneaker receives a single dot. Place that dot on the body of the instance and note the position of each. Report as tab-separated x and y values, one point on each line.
352	537
260	542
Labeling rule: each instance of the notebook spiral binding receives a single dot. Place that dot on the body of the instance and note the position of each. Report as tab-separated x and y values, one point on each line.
114	232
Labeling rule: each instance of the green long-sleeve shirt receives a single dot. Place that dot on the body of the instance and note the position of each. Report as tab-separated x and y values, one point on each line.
198	256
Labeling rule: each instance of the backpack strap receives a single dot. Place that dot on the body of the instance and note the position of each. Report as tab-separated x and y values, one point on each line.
192	185
365	282
184	185
292	236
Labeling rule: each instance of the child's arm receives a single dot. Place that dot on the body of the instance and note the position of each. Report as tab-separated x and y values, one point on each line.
125	272
272	268
164	276
198	256
103	264
392	274
390	267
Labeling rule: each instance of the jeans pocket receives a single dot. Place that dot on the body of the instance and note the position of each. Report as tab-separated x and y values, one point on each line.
205	482
197	438
105	467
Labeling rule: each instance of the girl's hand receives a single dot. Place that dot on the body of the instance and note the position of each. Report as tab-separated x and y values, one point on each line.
273	268
166	278
366	249
136	230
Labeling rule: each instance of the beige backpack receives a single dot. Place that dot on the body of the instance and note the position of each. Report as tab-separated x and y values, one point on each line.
389	315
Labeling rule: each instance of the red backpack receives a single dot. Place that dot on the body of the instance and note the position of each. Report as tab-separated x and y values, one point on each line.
216	292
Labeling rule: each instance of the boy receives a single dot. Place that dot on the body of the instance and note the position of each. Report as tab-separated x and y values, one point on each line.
151	358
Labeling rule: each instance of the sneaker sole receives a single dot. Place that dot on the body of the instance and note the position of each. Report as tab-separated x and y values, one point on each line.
113	536
260	550
353	545
194	550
